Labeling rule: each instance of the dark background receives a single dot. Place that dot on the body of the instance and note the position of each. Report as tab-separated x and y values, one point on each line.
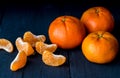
17	17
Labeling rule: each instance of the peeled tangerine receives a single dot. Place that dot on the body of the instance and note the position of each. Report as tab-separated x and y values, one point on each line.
41	47
25	46
53	60
19	61
32	39
6	45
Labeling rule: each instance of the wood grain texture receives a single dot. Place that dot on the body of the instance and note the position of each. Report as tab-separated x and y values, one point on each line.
81	68
17	19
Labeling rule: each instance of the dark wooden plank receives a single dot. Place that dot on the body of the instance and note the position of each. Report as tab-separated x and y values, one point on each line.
36	68
5	57
44	17
16	21
2	10
5	61
80	67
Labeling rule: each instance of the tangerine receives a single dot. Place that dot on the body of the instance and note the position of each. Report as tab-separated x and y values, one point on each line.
66	31
100	47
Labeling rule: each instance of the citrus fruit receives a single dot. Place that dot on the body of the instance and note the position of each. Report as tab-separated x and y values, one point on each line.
19	61
6	45
98	19
41	47
100	47
32	38
24	46
53	60
66	31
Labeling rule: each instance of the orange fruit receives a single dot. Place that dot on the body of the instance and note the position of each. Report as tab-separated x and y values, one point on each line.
24	46
98	19
100	47
53	60
41	47
32	38
19	61
6	45
66	31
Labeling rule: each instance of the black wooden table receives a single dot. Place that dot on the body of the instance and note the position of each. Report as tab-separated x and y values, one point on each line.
16	19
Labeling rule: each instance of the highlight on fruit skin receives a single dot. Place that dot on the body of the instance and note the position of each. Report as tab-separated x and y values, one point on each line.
51	59
25	46
19	61
32	38
6	45
41	47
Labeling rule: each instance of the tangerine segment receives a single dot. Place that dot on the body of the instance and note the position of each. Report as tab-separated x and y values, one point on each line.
53	60
25	46
41	47
32	39
6	45
19	61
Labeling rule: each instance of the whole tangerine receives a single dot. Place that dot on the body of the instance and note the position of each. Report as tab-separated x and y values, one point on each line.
100	47
98	19
66	31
